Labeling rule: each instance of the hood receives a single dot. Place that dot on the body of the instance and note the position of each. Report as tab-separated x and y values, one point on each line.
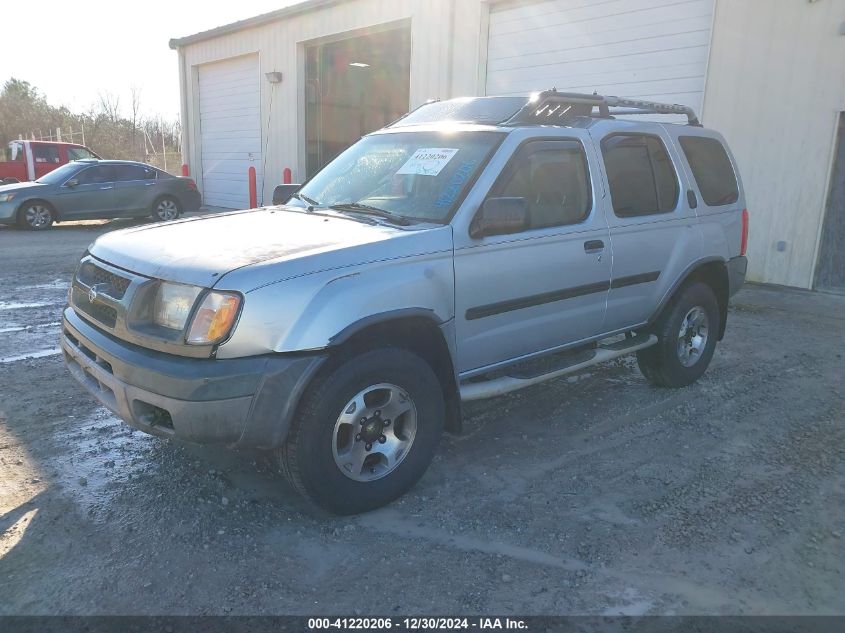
202	251
22	186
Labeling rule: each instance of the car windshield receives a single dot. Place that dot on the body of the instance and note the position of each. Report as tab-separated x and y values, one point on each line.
414	175
58	176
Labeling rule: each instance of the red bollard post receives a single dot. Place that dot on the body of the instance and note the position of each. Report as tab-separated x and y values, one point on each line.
185	171
287	176
253	193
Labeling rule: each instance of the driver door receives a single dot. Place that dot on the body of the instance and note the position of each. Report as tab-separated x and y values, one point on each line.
545	286
88	194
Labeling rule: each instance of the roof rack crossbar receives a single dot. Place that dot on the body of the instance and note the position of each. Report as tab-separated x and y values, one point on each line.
551	105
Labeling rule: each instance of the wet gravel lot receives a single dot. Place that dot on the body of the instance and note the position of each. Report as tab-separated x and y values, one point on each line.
594	494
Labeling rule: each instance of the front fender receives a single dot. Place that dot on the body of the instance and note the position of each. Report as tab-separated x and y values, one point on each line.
319	310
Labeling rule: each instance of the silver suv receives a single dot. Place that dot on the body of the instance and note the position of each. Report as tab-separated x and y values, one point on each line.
474	247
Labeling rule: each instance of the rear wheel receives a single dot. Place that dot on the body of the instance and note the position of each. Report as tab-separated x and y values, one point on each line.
35	216
166	209
687	334
365	432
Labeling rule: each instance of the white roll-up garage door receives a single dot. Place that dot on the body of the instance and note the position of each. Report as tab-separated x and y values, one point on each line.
230	130
650	49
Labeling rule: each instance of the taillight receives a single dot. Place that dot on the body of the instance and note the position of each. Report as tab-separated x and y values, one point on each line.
743	245
192	185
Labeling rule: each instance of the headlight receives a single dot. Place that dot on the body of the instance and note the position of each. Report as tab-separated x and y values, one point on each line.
214	319
7	197
173	305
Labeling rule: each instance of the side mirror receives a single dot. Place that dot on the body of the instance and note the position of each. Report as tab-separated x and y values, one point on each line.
72	183
500	216
283	193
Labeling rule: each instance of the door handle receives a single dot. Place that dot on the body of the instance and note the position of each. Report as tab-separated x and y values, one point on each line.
691	199
593	246
106	187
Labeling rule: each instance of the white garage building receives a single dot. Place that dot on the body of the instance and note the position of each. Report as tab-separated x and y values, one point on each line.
293	88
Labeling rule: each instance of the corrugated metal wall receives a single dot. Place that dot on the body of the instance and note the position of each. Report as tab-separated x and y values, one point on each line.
280	46
647	49
775	87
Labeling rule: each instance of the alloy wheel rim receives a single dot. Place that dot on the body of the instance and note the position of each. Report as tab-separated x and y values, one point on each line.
37	216
692	337
167	209
374	433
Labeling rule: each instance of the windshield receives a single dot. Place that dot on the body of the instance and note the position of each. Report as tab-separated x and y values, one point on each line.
415	175
80	153
58	176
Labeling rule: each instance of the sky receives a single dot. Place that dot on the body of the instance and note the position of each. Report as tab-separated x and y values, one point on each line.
75	51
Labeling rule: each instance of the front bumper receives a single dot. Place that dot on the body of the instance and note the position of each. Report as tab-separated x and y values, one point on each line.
7	212
245	402
737	267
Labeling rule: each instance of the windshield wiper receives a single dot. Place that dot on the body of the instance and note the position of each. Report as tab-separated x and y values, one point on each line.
366	209
306	199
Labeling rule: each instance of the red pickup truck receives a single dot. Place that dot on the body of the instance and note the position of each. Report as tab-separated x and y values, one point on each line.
29	160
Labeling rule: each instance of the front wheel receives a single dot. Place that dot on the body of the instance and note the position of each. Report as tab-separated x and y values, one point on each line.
687	334
166	209
35	216
365	432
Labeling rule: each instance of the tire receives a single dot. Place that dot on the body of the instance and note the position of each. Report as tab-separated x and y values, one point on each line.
166	208
35	216
687	333
327	440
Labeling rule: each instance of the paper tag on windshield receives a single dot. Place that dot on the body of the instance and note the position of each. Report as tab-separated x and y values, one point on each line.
428	161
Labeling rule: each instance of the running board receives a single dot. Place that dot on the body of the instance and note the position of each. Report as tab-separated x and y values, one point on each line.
505	384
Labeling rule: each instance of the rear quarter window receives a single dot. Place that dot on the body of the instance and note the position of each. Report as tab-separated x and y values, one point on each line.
711	169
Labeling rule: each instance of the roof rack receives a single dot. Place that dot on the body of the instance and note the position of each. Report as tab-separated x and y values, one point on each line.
550	106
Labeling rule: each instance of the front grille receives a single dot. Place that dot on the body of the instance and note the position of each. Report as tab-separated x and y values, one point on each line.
106	315
91	274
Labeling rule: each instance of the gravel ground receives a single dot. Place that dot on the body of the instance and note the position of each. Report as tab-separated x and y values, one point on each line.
594	494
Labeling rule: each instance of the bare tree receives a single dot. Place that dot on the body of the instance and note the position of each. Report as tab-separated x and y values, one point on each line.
110	106
24	110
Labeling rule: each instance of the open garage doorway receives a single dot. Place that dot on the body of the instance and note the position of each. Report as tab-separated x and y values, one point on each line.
352	87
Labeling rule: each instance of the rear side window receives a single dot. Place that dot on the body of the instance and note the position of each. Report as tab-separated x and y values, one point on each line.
125	173
46	154
640	174
15	151
712	170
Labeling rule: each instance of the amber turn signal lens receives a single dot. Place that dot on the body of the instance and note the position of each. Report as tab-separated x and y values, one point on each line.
214	319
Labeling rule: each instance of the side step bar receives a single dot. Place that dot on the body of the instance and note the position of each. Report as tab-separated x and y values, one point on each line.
506	384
